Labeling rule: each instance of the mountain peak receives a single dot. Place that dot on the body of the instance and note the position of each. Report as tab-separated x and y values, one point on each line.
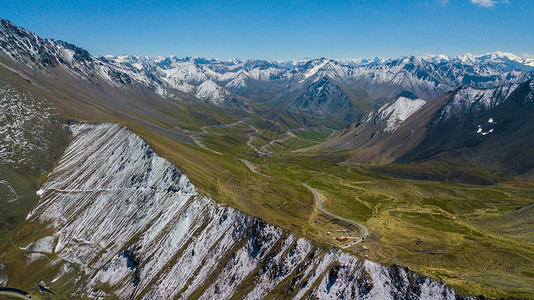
323	98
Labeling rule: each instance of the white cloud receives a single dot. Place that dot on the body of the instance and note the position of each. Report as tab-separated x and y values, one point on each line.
488	3
443	2
485	3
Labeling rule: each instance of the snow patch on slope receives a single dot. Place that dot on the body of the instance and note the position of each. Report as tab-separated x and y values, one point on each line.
3	274
395	113
28	126
45	245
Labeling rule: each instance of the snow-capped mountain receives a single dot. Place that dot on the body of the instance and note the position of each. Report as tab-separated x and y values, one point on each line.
28	48
161	75
468	101
491	127
211	92
185	75
160	239
426	77
381	136
506	61
323	99
178	78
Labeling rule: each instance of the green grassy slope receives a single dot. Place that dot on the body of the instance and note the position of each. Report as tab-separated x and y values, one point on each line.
17	197
32	139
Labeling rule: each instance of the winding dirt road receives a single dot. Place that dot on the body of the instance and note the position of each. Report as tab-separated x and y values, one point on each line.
364	231
252	167
196	136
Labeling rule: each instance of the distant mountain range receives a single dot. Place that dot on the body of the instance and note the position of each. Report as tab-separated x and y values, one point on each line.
317	88
401	110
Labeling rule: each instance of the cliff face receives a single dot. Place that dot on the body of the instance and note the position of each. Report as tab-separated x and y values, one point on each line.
114	219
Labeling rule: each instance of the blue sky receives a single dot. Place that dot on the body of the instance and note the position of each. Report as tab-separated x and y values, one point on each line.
282	30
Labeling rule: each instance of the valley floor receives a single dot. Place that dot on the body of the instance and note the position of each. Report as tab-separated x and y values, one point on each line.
476	238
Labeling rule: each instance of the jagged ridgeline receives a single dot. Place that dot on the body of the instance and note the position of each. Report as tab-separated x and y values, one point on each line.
315	91
115	219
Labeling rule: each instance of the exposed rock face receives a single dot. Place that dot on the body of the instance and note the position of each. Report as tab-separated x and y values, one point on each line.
121	221
323	99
